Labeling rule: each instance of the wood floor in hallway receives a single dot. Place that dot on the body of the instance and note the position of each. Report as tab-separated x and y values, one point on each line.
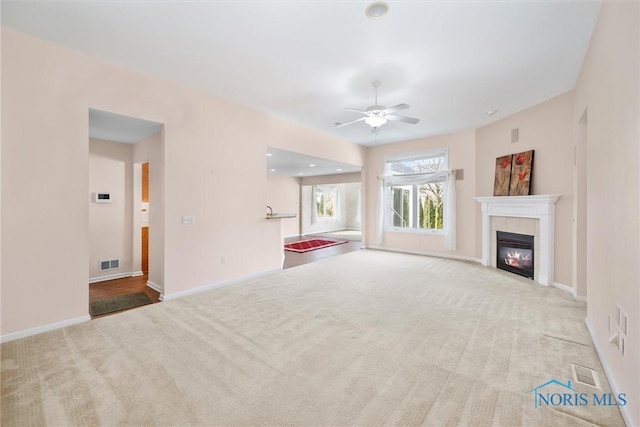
294	259
117	287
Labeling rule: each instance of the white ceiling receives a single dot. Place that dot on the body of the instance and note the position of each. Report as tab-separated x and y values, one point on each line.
116	127
281	162
305	61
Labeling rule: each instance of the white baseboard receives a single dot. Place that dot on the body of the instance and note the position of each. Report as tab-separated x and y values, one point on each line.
218	284
110	277
154	286
580	298
623	409
45	328
137	273
565	288
432	254
569	289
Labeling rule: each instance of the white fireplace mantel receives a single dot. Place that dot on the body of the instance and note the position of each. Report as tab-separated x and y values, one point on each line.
540	207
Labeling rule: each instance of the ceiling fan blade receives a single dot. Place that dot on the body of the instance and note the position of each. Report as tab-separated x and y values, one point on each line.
350	122
402	119
395	108
356	110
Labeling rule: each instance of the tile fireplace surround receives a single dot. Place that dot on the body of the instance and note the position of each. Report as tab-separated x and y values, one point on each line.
541	208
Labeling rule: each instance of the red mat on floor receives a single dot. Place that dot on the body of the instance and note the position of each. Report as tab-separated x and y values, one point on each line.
311	244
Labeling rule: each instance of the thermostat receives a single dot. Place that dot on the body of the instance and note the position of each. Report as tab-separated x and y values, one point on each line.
102	197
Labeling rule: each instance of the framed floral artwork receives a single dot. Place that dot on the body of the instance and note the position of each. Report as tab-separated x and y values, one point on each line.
503	176
521	169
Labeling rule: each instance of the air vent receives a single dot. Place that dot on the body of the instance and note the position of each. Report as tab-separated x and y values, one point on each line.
586	376
515	135
111	264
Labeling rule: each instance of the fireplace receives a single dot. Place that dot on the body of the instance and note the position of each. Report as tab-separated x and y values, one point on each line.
515	253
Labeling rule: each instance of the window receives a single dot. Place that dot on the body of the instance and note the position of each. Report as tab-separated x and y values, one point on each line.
415	191
325	204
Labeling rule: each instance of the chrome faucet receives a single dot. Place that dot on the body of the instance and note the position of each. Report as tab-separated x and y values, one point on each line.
270	210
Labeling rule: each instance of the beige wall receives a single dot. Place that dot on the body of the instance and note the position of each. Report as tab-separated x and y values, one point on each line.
283	195
150	150
461	147
546	128
212	161
110	224
210	165
608	89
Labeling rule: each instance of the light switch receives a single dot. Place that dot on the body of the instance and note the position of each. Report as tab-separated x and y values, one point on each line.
188	220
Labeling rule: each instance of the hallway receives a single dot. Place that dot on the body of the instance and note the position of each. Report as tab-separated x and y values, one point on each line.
117	287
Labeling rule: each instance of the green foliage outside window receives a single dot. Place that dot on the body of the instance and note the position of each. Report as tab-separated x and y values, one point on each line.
325	205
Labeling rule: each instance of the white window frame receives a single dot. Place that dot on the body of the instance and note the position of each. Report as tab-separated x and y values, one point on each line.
414	213
334	195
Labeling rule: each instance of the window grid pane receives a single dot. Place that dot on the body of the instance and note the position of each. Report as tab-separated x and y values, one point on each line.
418	206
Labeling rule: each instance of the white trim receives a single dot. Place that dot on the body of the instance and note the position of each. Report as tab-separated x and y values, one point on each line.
540	207
110	277
45	328
623	409
413	230
563	287
154	286
137	273
218	284
569	289
431	254
580	298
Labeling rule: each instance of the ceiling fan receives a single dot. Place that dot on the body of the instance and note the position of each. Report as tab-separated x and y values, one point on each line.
377	115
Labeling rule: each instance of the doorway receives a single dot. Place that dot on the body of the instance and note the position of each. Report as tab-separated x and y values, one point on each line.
144	212
126	225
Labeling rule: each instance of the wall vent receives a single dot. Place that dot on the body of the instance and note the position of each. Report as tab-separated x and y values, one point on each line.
586	376
111	264
515	135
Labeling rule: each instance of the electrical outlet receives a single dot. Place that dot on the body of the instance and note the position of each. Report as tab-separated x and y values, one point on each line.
188	220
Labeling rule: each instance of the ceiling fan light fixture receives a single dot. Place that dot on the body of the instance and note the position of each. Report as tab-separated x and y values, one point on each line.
377	10
375	121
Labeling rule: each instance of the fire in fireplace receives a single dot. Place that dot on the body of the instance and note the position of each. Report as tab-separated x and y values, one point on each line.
515	253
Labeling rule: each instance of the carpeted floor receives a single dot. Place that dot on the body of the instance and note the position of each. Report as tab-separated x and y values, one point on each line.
365	338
